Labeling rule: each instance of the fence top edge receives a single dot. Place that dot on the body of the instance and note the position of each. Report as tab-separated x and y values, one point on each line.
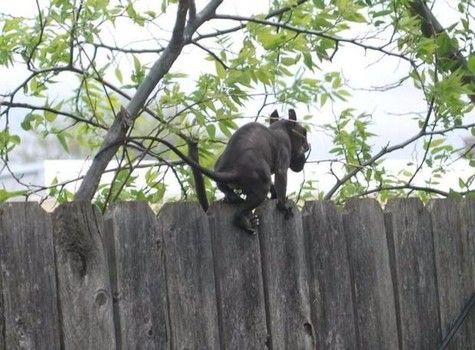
186	206
308	206
128	207
14	205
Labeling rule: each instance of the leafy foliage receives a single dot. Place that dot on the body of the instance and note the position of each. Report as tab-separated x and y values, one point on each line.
283	57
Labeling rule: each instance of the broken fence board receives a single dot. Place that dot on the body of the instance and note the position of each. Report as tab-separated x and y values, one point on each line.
329	276
83	277
28	278
239	289
408	226
373	295
138	276
190	276
453	225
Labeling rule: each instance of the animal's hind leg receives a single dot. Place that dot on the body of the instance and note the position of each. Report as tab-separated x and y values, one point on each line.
229	195
273	193
244	218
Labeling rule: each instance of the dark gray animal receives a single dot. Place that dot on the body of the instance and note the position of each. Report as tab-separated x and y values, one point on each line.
252	155
255	152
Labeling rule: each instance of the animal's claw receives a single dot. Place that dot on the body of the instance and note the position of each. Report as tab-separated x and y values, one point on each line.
248	223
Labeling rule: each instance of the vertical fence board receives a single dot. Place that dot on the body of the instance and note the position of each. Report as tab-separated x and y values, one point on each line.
190	277
238	273
373	294
2	319
83	277
329	276
285	279
29	284
453	225
138	277
410	240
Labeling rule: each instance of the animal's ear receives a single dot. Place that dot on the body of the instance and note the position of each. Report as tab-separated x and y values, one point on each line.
274	116
292	115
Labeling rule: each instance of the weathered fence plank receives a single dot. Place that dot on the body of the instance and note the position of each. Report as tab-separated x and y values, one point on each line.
239	289
28	278
329	276
373	294
83	278
137	275
453	225
411	246
2	319
190	277
285	279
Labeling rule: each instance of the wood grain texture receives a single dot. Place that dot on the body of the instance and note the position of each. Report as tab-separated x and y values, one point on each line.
239	289
83	277
138	276
329	276
453	225
190	277
408	225
28	278
373	295
2	316
285	279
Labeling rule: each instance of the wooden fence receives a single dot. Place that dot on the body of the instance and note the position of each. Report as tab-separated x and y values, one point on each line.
358	278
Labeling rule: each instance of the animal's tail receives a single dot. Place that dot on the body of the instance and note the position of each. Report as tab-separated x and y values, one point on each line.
218	176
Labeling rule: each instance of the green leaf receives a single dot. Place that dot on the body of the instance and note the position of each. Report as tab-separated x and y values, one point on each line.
26	123
50	116
137	64
6	195
471	63
307	60
118	75
288	61
11	24
220	70
62	140
211	130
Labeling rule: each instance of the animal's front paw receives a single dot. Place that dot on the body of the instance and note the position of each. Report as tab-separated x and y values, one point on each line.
248	222
286	208
254	219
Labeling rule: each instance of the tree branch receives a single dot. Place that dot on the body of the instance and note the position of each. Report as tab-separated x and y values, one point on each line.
430	27
316	33
406	186
52	110
118	130
387	150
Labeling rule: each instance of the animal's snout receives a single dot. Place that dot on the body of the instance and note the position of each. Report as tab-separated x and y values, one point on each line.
306	147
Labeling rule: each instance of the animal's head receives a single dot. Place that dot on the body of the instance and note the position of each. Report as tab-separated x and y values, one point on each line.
298	140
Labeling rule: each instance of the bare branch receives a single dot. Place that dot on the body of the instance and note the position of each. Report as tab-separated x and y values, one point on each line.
406	186
316	33
52	110
388	149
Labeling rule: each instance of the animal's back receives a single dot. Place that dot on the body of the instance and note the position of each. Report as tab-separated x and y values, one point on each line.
250	142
